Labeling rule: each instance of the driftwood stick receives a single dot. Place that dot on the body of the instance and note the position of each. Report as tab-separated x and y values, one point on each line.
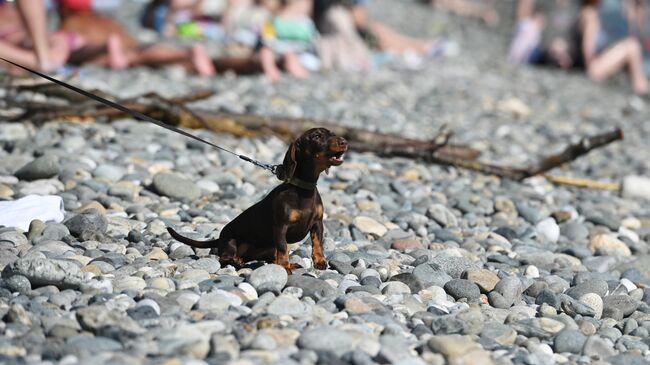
574	151
583	183
570	153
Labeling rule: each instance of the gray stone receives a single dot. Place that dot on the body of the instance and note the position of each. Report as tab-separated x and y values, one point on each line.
442	215
623	303
269	276
91	345
596	286
97	317
569	341
40	272
15	238
462	288
501	333
18	284
510	289
289	305
175	186
43	167
395	287
598	347
208	264
409	279
627	358
453	266
109	172
314	288
54	231
88	225
428	275
326	338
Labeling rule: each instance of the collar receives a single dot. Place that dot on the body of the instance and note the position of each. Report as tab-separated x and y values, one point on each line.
301	183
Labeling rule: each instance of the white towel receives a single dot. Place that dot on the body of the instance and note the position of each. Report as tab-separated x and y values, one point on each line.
20	213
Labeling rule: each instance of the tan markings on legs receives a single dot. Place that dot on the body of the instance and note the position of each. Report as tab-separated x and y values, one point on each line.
317	255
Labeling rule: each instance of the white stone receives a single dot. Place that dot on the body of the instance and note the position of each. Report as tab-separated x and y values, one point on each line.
548	229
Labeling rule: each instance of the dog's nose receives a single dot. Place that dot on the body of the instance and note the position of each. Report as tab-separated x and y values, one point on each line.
342	142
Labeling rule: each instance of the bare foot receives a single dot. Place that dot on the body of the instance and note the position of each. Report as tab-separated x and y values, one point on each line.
294	67
60	48
202	61
116	55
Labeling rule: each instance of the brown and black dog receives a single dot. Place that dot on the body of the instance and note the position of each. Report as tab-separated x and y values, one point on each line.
288	213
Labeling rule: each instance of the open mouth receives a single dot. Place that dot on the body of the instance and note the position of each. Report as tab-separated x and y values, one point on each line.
336	158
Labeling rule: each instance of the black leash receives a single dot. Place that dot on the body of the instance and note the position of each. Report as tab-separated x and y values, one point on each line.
146	118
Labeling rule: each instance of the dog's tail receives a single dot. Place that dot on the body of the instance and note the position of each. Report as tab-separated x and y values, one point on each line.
191	242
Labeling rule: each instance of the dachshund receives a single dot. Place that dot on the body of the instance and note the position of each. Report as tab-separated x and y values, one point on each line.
287	214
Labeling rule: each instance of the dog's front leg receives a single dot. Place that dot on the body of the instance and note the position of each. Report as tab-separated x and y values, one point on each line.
317	254
281	249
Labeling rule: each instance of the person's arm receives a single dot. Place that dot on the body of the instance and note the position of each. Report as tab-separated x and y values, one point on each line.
590	24
360	15
32	13
525	9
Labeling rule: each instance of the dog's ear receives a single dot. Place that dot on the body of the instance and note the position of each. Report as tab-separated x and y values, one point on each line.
290	162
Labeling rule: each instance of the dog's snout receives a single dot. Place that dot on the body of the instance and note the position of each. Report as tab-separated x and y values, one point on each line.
341	142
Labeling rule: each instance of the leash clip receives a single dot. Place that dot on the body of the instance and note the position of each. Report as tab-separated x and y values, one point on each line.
275	169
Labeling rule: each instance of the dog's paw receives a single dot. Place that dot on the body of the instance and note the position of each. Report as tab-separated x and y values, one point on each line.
291	267
320	264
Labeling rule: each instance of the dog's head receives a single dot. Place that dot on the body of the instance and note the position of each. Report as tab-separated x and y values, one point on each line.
317	149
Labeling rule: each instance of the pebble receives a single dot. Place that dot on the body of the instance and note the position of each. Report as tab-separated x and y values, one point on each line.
462	288
268	277
623	303
41	272
43	167
608	245
90	224
370	226
548	230
485	279
594	301
175	186
569	341
326	338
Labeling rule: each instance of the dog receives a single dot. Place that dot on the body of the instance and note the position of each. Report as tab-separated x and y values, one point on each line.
287	214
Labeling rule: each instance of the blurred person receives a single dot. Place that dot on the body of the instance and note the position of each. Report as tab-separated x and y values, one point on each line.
601	61
289	36
542	33
340	45
376	34
106	42
186	18
24	37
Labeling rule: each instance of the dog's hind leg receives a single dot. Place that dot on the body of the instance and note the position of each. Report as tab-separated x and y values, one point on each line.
228	254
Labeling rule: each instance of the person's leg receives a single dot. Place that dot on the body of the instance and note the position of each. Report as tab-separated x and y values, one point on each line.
195	58
32	13
624	53
269	66
392	41
19	55
59	52
470	9
202	62
117	56
294	67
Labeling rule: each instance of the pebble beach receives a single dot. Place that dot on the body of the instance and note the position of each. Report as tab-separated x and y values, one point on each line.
428	264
